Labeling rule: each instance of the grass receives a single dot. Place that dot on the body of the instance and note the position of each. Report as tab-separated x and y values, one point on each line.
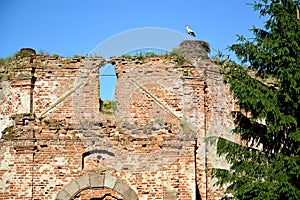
108	107
5	64
141	55
6	61
43	53
56	55
9	133
179	59
77	56
126	56
47	122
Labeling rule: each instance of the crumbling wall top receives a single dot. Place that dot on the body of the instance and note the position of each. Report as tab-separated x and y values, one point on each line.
194	49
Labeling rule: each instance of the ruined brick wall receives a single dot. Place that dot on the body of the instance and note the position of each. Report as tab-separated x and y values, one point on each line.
43	150
38	169
151	146
44	86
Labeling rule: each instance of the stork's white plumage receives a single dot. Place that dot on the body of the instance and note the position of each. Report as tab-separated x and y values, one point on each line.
190	31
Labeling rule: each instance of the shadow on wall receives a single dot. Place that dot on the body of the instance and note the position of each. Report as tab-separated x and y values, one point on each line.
88	153
106	196
198	196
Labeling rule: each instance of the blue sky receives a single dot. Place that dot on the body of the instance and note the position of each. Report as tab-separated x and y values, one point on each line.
69	27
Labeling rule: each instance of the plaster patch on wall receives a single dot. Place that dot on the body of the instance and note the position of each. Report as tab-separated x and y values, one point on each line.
7	157
5	121
60	161
53	95
5	180
44	168
25	103
4	166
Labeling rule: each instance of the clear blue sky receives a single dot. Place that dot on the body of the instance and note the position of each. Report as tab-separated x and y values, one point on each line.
69	27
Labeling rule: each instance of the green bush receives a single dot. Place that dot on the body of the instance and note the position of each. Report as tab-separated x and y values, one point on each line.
6	61
108	107
9	133
25	52
178	57
127	56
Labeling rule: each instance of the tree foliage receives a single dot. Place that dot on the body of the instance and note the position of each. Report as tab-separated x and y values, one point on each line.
266	166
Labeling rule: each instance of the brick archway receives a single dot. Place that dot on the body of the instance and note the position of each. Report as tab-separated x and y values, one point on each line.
96	181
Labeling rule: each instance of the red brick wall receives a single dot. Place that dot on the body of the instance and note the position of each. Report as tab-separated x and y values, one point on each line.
153	142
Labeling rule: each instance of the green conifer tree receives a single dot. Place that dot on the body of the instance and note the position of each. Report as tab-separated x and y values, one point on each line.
267	92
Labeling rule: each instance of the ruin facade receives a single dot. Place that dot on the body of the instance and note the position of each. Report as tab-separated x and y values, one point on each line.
61	141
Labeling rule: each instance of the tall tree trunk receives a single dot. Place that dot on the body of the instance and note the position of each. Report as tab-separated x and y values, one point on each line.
297	9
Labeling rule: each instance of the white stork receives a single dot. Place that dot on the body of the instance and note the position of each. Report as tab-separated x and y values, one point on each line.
190	31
